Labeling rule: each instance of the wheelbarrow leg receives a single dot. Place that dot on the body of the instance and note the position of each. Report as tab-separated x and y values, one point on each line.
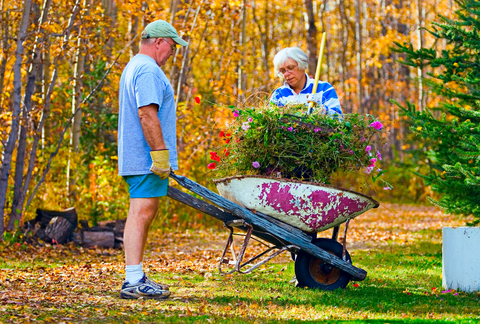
336	229
345	239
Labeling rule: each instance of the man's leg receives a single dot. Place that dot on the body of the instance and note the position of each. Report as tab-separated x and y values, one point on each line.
140	216
141	213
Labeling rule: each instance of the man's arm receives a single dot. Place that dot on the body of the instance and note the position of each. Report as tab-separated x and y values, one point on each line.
152	130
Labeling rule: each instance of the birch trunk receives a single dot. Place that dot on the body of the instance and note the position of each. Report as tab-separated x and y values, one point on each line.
420	73
241	67
358	38
33	71
78	68
17	95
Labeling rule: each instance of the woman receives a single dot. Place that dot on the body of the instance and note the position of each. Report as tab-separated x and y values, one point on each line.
290	65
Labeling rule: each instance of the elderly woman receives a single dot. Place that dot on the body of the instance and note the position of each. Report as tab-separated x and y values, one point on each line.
290	64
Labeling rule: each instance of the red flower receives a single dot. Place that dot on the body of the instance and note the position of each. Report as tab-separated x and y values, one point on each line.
355	285
215	158
222	134
228	140
211	166
227	152
228	135
213	153
238	140
197	99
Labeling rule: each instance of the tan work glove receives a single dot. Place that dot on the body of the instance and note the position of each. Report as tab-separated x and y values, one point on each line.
160	163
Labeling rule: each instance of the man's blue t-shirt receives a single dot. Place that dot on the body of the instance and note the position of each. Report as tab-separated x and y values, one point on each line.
143	83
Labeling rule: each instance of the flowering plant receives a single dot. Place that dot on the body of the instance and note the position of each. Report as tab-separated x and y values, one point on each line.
286	142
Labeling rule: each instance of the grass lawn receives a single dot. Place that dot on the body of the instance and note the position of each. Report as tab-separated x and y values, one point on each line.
399	246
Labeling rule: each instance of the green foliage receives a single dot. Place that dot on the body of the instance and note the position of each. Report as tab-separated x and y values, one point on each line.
286	142
452	133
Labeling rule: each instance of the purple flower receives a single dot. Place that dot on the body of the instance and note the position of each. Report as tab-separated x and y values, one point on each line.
379	170
351	152
236	113
372	162
290	129
250	119
379	155
377	125
316	130
368	148
256	165
245	126
362	139
387	188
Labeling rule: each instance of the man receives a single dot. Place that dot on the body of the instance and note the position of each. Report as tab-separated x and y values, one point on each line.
146	148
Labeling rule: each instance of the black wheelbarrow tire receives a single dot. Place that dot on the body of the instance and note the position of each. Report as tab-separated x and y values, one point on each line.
311	272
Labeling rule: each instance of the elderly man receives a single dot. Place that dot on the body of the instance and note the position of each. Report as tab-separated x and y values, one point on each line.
290	64
146	148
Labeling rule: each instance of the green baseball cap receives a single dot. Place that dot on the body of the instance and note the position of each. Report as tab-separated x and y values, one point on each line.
162	29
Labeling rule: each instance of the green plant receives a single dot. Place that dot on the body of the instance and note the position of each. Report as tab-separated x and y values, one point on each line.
452	132
286	142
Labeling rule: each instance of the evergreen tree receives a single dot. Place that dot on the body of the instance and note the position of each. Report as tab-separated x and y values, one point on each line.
451	131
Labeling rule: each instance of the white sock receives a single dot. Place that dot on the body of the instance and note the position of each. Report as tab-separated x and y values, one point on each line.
133	273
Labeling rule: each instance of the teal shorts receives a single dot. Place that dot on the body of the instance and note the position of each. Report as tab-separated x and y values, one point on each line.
146	186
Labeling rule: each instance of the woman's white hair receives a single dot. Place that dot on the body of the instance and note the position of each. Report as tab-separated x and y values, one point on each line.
293	53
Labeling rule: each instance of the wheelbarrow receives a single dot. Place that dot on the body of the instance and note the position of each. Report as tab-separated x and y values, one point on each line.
287	214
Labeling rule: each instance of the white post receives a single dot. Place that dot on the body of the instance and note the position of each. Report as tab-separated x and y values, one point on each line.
461	258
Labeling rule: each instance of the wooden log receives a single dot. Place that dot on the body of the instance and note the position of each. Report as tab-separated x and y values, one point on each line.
99	239
44	216
59	230
270	227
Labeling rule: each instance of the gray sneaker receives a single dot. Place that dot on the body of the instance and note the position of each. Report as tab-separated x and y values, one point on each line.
145	288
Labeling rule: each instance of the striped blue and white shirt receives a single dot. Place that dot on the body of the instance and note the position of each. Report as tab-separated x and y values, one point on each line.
326	96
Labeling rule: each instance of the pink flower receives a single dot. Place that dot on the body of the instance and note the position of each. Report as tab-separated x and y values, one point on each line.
351	152
245	126
387	188
372	162
250	119
290	129
316	130
256	165
377	125
368	148
368	170
379	155
236	113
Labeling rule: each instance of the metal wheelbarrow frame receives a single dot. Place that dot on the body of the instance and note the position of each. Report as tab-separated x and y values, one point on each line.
316	258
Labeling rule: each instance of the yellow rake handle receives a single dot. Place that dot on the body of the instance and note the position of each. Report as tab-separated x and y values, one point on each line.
317	73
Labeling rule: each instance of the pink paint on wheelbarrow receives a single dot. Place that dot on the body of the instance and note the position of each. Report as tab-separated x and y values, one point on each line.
308	206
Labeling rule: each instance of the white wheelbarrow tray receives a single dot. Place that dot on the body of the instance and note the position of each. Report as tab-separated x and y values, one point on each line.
308	206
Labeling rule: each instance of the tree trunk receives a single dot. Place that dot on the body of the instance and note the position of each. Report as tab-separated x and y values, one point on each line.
311	38
78	68
132	31
343	56
358	37
45	112
4	53
18	189
420	73
241	67
17	95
